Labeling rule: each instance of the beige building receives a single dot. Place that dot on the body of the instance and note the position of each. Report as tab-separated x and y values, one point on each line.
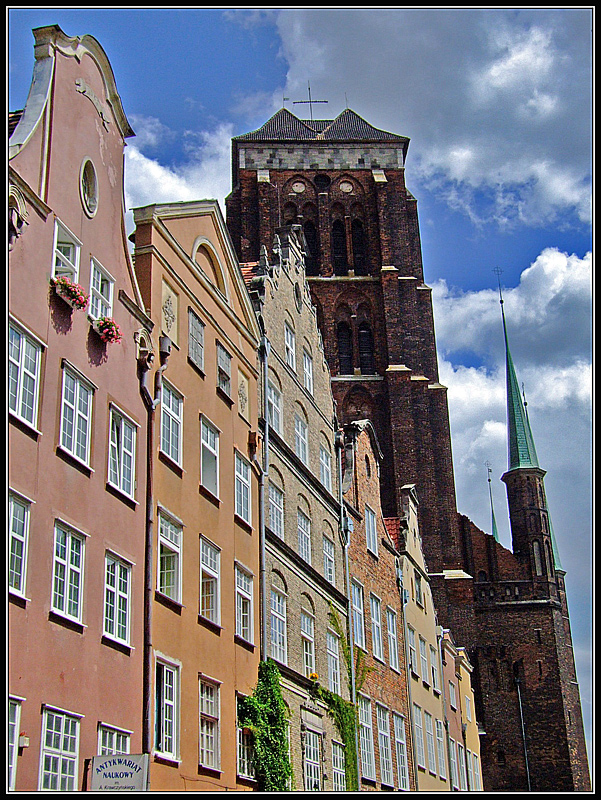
203	643
304	564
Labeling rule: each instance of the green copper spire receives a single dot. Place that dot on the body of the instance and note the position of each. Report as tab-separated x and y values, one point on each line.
495	532
522	452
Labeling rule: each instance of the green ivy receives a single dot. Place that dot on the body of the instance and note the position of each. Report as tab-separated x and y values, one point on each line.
344	715
265	714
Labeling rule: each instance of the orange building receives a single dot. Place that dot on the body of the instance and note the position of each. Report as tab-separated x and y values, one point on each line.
76	426
202	644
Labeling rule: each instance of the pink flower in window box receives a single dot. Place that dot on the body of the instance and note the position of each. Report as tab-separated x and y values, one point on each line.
107	329
72	293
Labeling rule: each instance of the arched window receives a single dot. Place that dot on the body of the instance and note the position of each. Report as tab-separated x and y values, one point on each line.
312	257
538	564
358	242
366	349
339	248
345	349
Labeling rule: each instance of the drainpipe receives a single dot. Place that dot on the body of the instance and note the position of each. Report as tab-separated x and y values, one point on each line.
399	580
345	526
444	709
151	403
264	348
517	683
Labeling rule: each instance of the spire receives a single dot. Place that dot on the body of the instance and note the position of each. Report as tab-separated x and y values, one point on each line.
495	532
522	452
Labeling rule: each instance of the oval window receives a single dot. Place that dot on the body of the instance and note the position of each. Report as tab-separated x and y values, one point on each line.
89	188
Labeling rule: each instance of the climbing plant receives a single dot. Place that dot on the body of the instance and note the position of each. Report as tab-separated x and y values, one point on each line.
264	713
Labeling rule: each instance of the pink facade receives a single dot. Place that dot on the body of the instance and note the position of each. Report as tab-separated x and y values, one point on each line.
76	428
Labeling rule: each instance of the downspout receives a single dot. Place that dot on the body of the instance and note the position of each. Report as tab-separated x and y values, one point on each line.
517	683
151	403
399	578
346	537
444	709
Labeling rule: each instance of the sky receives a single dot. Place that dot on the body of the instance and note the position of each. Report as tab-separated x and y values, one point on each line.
497	103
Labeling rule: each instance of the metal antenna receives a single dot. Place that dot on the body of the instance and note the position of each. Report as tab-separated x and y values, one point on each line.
495	532
310	101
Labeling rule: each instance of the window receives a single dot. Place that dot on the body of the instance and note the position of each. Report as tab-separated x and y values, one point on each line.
244	604
307	372
419	736
196	339
172	408
312	761
452	695
301	440
329	564
366	740
325	467
358	245
117	598
24	355
442	762
468	708
170	567
101	292
208	755
371	533
400	740
423	659
461	760
278	627
60	751
14	726
224	370
167	710
430	742
66	253
88	187
276	510
453	757
333	651
290	346
384	745
434	668
67	578
412	650
470	771
76	416
112	741
339	248
376	626
19	534
345	349
477	781
358	622
393	650
366	350
122	453
304	536
338	773
274	408
209	457
308	642
210	566
245	767
243	507
419	597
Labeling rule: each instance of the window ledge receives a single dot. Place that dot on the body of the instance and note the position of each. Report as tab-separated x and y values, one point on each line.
243	523
68	622
225	397
198	369
19	598
209	495
23	423
117	644
77	462
169	462
208	623
244	643
169	602
169	761
119	493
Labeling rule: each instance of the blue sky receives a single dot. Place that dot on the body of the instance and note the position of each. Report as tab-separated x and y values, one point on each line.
497	103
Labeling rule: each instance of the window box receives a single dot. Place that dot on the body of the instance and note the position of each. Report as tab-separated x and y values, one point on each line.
107	329
72	293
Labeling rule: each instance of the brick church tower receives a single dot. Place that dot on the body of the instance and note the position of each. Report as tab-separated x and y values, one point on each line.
343	181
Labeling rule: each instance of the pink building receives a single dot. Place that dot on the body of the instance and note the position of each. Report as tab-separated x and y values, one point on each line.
76	428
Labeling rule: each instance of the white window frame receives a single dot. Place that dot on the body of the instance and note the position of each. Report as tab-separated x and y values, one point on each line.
468	708
76	419
329	562
276	510
477	780
423	660
13	731
101	281
224	370
209	723
412	650
167	709
375	608
418	726
371	530
366	738
429	728
210	581
303	527
243	488
116	622
170	541
470	770
338	771
461	764
18	532
400	740
307	629
24	365
172	423
279	635
419	594
301	439
68	267
244	603
274	407
312	761
290	347
453	757
452	695
442	761
393	646
384	746
308	371
209	453
59	748
333	652
358	613
244	749
68	574
122	452
325	467
113	741
196	339
434	669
